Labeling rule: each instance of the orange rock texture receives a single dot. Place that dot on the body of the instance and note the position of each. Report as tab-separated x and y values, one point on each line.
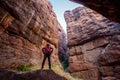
25	27
94	45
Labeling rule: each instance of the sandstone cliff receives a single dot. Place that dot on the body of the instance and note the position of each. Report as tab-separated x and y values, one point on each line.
94	45
108	8
25	27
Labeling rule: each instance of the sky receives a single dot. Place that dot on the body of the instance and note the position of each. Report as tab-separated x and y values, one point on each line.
60	6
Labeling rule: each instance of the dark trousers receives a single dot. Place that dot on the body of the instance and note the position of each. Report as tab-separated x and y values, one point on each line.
46	56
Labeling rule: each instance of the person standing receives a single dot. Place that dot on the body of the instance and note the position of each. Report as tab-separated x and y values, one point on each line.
47	50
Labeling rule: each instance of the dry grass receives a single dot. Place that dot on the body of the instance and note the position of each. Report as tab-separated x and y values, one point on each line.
57	69
61	72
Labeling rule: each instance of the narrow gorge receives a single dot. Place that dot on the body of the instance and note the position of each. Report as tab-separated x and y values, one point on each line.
90	50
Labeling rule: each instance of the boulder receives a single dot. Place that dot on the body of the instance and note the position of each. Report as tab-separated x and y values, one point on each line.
32	75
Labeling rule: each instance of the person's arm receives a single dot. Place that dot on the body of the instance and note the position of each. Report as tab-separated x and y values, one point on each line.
51	50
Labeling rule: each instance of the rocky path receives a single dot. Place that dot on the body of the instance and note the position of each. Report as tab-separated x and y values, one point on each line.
32	75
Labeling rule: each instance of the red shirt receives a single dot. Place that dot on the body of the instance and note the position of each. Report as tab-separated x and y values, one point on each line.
47	50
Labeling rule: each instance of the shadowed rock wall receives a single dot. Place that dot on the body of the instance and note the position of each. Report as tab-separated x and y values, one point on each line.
25	27
62	44
94	45
108	8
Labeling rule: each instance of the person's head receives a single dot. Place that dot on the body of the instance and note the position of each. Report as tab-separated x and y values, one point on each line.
47	44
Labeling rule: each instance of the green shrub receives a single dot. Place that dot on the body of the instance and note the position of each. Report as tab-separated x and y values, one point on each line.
65	63
24	68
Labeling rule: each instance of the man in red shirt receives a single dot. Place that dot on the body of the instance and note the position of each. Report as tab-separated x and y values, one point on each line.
47	50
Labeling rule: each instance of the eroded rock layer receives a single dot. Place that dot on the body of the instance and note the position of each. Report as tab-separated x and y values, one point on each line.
94	45
25	27
108	8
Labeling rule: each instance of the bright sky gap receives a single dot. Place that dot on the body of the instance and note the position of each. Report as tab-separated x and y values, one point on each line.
60	6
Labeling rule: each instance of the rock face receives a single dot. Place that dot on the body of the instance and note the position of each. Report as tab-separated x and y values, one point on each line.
94	45
62	44
108	8
25	27
34	75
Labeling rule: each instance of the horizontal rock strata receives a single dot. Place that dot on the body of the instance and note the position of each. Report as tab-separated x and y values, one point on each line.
25	27
94	45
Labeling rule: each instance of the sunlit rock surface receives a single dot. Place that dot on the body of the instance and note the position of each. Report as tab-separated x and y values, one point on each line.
94	45
25	27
